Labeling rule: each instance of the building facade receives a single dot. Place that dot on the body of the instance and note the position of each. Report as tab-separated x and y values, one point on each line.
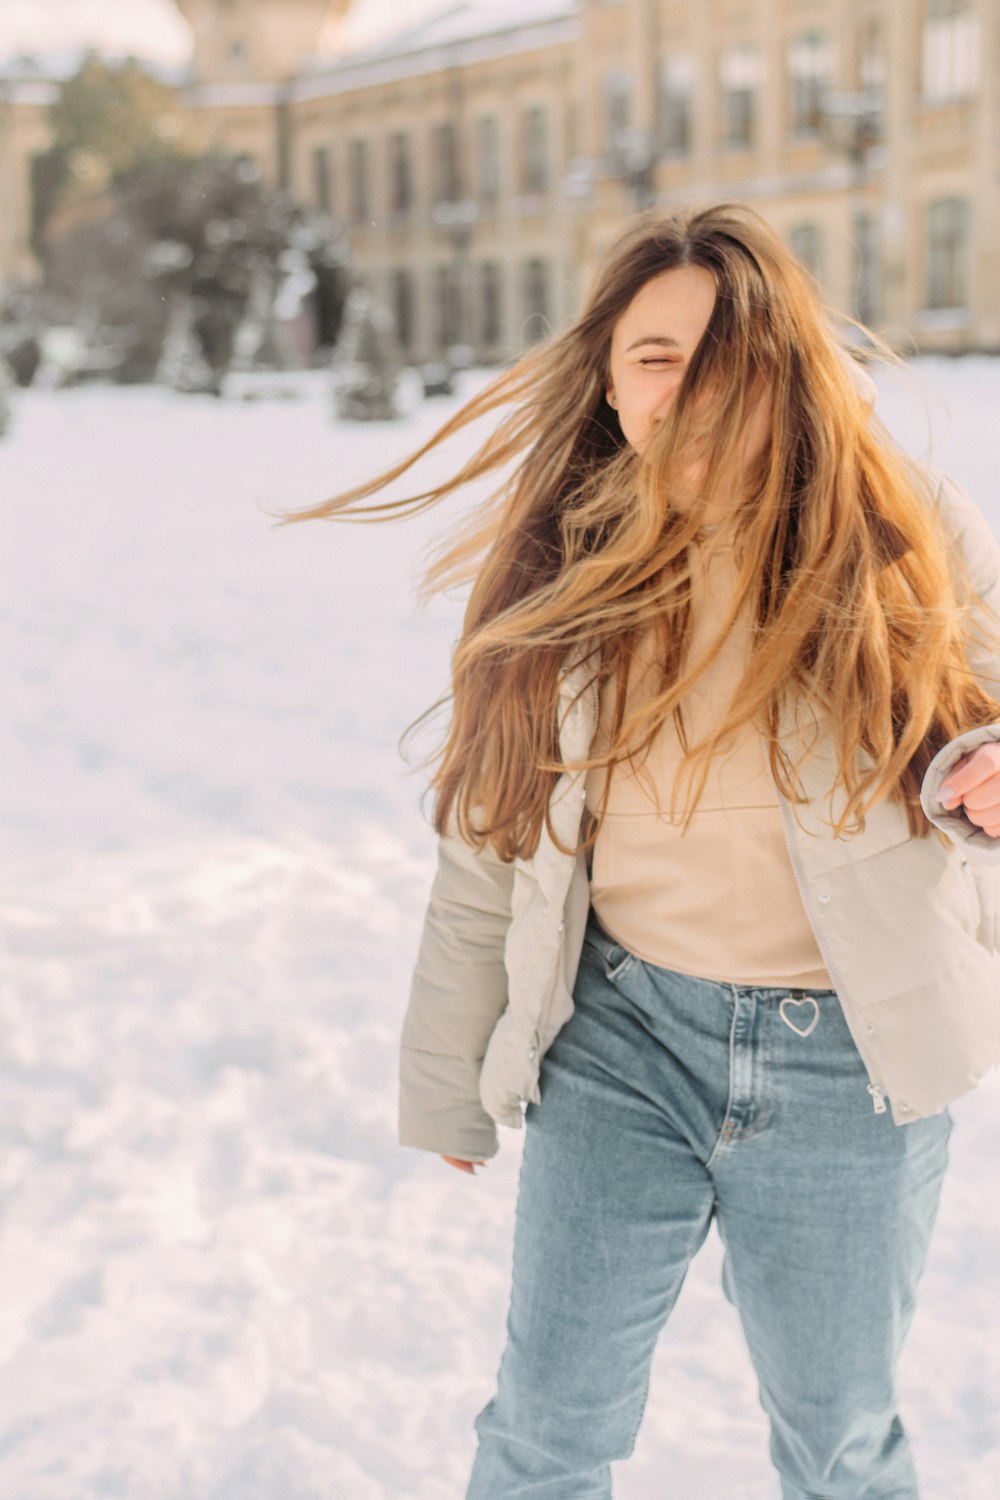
26	94
481	161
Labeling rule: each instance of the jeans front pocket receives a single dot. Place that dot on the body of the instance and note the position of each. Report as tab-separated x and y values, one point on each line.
614	958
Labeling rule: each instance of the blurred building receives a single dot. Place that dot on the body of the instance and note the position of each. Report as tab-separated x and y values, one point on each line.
481	160
27	89
29	86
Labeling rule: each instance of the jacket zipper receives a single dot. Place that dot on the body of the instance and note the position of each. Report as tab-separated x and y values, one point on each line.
536	1045
876	1090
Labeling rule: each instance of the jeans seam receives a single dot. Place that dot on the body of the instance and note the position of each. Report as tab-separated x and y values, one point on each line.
649	1366
765	1054
642	1407
721	1139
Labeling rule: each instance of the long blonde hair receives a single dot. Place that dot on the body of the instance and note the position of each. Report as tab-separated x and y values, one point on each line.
860	609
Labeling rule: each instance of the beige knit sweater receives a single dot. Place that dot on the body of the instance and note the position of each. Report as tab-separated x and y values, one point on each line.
720	900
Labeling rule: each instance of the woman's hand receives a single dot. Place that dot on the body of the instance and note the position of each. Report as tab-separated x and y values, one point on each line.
463	1166
975	783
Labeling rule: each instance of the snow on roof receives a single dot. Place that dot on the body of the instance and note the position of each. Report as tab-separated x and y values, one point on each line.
55	67
472	31
479	30
462	21
236	94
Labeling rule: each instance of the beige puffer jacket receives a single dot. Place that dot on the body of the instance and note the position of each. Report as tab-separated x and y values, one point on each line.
907	929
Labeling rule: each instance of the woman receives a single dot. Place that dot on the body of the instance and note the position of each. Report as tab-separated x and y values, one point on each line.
719	819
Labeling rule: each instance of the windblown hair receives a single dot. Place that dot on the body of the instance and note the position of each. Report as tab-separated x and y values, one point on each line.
860	609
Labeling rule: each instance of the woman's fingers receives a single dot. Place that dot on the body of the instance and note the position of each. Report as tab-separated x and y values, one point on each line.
463	1166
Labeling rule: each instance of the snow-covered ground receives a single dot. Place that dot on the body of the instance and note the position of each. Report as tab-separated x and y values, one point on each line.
221	1277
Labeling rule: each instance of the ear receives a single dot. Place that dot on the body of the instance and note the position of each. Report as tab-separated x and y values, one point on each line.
609	395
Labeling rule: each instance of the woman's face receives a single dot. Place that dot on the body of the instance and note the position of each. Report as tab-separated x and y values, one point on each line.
652	345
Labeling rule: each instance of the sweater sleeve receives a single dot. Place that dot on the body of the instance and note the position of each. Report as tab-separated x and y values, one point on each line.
458	992
979	548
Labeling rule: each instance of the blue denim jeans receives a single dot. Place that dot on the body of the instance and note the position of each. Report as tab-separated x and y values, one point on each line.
665	1100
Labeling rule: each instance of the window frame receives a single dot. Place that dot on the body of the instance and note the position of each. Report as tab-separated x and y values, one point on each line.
746	58
810	72
948	247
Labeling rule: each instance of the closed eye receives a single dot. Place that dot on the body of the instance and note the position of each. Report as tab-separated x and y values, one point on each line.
659	361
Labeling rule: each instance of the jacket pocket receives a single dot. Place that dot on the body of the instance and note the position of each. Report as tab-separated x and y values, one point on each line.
886	826
982	884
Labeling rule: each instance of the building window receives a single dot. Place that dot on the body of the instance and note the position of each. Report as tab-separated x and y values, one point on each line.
447	304
951	44
400	173
489	303
867	281
488	159
536	301
359	182
534	150
322	179
871	63
739	80
676	105
572	134
402	305
810	75
444	149
617	114
948	253
807	242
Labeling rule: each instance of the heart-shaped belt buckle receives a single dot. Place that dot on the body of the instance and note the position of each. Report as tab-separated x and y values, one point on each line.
791	1000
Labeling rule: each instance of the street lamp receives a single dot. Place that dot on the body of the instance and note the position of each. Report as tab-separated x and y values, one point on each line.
633	160
578	183
457	218
851	125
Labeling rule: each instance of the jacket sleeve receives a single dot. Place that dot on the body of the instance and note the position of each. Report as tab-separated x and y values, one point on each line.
458	993
980	550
